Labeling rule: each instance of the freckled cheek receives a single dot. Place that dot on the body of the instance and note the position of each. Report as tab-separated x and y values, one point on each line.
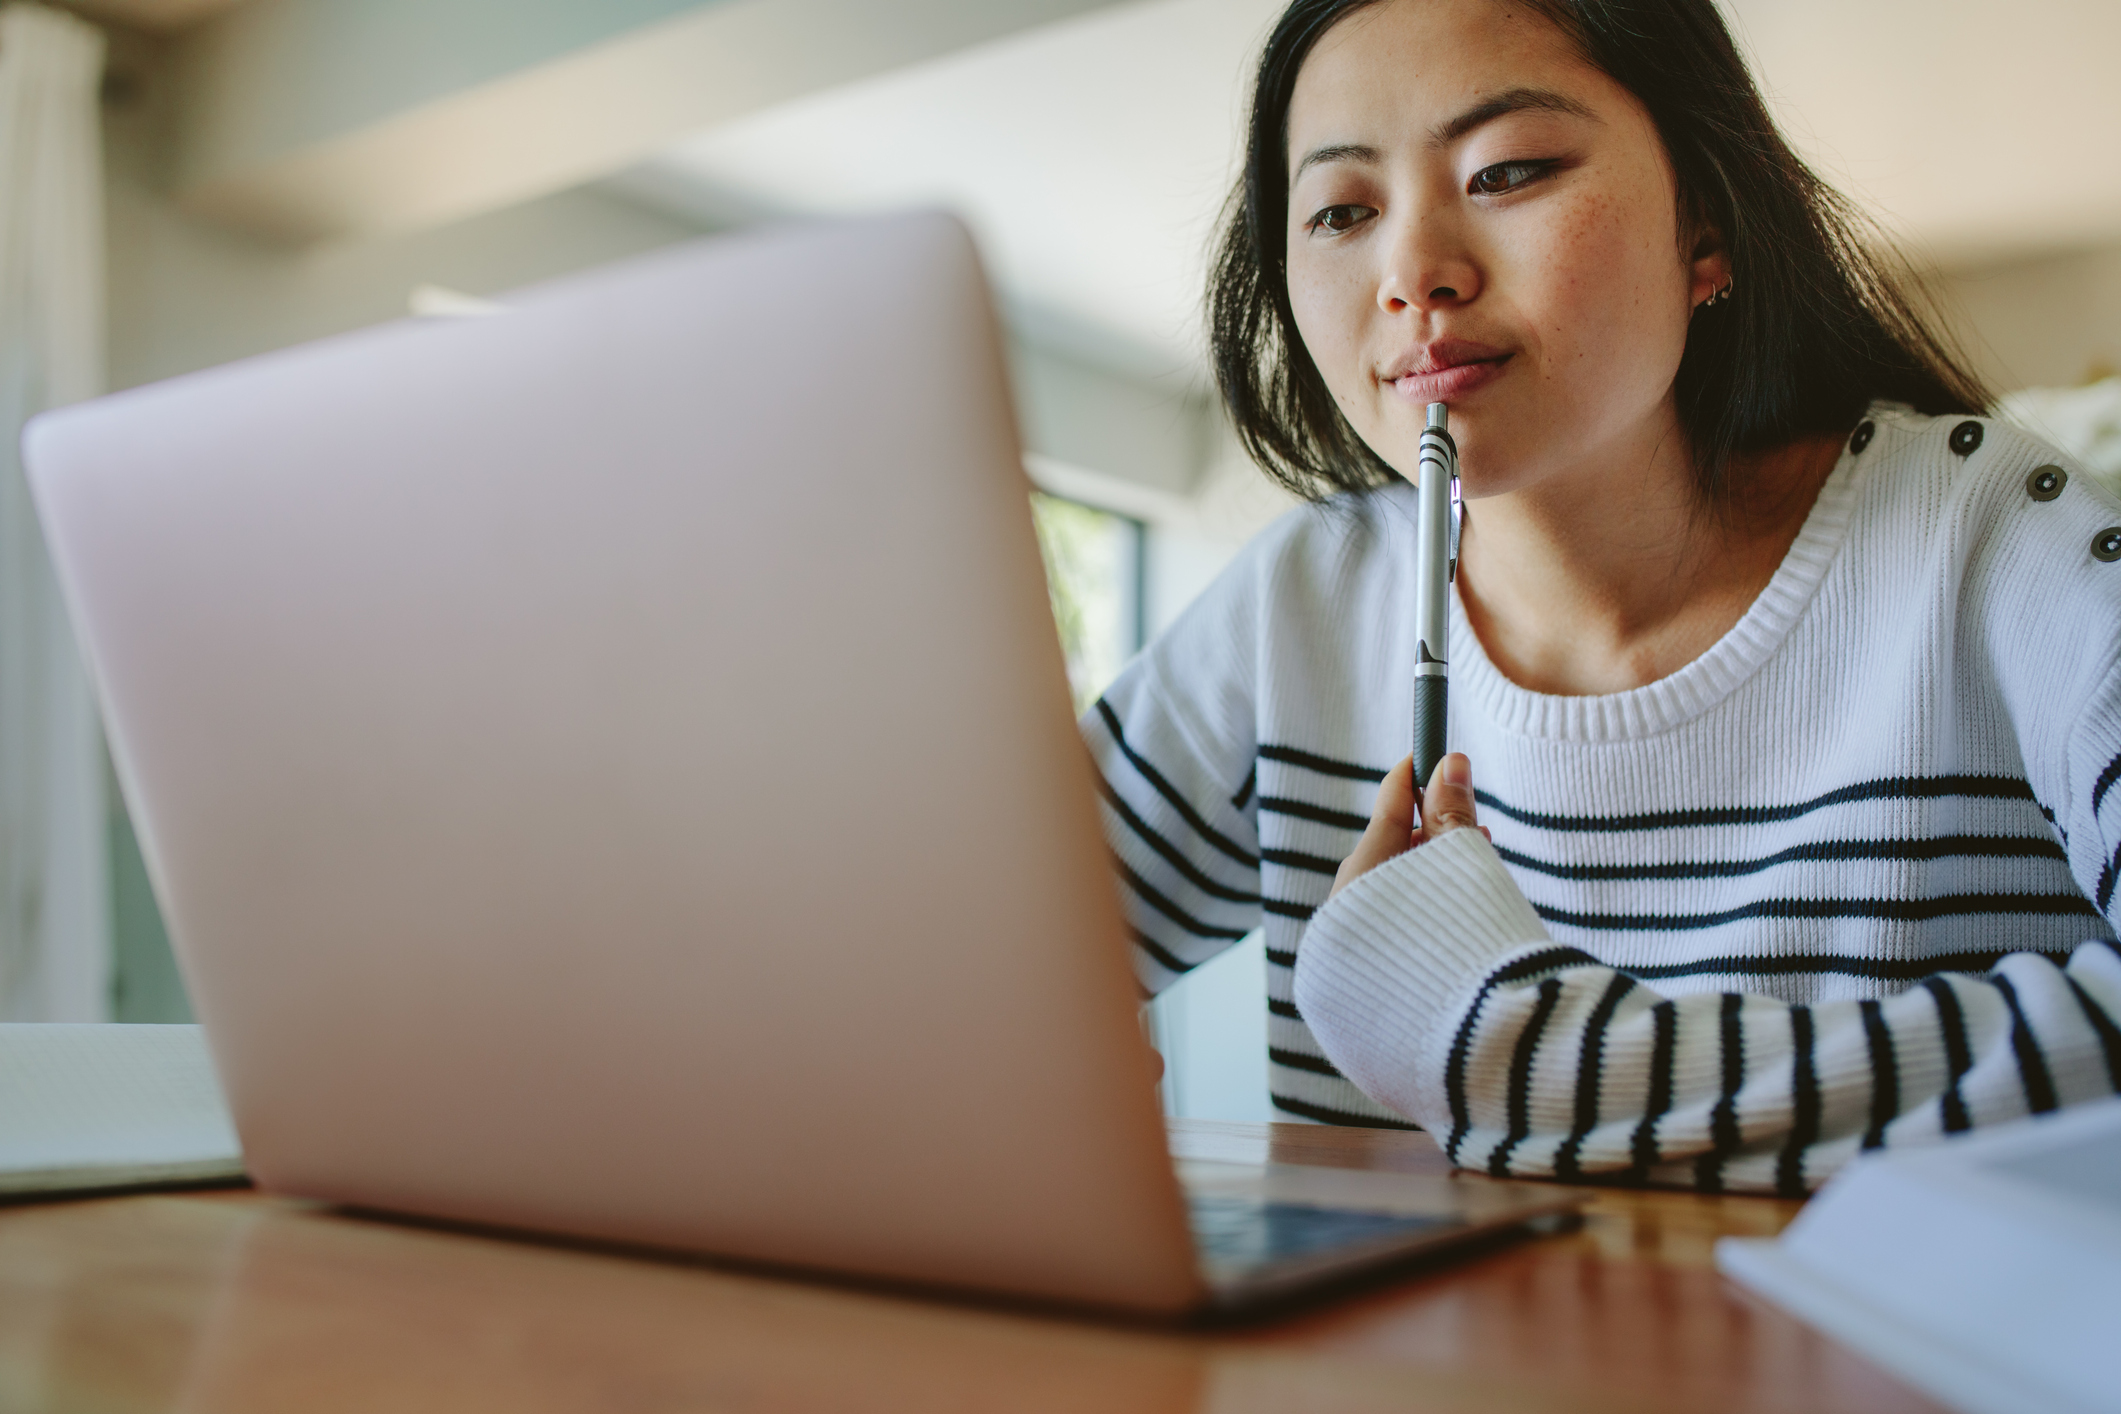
1331	310
1599	291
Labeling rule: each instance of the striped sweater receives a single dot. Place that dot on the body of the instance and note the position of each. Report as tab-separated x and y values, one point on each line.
1847	879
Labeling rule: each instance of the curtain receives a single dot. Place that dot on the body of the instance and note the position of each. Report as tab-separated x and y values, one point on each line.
54	854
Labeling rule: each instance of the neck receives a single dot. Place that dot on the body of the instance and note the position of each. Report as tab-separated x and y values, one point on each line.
1615	574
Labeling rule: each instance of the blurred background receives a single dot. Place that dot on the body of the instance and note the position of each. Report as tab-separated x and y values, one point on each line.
184	182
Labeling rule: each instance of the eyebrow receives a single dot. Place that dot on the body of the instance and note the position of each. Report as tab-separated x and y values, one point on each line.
1335	152
1515	100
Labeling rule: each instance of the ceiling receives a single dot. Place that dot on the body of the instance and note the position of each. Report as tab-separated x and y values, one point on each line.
1091	156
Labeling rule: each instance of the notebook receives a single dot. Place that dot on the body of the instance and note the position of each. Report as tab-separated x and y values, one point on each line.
1985	1270
87	1108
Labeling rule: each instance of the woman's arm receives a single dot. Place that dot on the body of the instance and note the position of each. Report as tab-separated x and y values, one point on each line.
1174	741
1182	834
1433	986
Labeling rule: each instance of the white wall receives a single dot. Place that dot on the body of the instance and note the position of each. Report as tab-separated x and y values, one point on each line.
185	294
2053	322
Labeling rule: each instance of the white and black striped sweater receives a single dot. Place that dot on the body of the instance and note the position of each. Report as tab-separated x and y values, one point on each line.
1848	879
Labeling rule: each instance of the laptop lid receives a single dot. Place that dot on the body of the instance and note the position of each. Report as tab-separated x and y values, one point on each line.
607	768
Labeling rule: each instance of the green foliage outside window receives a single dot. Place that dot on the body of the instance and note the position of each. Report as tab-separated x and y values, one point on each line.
1090	572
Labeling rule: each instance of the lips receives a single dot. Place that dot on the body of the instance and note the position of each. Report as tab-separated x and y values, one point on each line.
1446	369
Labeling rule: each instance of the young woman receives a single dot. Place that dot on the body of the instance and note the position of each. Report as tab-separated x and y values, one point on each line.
1792	682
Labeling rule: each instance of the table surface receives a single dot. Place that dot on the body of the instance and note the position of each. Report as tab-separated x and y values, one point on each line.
230	1302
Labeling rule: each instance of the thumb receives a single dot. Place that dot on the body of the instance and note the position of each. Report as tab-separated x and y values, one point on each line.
1448	802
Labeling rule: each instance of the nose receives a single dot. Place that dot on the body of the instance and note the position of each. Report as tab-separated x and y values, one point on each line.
1427	266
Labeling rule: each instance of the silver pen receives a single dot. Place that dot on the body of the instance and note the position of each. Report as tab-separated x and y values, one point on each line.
1435	565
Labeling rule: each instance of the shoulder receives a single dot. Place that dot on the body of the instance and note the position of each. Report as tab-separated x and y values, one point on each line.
1330	548
1315	565
2022	537
1318	551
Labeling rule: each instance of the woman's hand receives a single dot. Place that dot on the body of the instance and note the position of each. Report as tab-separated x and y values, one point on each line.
1394	828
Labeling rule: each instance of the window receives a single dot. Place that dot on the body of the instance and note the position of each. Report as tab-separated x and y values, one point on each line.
1095	563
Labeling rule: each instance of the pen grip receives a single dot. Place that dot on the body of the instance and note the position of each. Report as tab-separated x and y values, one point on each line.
1432	695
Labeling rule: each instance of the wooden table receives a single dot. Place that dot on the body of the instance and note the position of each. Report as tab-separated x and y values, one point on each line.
229	1303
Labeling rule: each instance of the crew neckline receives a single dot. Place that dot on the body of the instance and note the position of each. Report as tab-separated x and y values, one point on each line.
1681	696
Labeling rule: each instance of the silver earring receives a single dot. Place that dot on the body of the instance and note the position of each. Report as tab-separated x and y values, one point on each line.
1719	296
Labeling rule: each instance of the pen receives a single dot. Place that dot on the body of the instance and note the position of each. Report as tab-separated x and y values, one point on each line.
1435	564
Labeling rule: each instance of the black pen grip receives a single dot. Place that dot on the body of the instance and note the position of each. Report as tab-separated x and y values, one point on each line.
1432	693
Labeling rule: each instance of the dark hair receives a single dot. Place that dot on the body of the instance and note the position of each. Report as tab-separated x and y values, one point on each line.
1817	325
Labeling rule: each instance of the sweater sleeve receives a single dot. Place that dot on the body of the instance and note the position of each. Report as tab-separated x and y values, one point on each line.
2092	798
1432	985
1173	741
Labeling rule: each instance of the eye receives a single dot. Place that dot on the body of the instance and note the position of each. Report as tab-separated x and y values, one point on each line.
1506	177
1338	219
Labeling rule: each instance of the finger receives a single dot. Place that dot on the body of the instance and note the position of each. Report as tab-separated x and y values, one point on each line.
1391	828
1392	819
1396	814
1448	802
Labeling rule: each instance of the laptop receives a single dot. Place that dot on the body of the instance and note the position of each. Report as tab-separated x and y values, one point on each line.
607	770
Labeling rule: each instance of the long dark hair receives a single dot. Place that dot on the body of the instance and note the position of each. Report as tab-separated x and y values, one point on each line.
1818	323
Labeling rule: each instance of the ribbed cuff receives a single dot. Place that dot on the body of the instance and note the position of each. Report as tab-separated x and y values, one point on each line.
1392	958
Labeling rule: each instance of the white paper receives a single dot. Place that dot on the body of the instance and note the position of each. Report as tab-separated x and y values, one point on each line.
84	1107
1985	1269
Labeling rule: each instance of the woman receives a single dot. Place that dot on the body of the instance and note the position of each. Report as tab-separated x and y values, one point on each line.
1791	680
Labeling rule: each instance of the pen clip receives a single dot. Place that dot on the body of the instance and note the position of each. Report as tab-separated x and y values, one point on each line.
1458	516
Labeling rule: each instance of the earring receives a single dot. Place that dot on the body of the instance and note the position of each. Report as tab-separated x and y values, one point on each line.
1720	295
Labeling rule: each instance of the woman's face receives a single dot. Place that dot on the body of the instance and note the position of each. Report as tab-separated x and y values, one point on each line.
1478	217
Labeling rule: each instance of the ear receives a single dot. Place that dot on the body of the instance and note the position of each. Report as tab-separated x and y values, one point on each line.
1709	267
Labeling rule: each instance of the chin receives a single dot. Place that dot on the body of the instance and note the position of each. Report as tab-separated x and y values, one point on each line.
1489	465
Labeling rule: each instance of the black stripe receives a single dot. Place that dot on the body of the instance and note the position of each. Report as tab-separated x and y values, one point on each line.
1941	847
1305	810
2103	1027
1297	1060
1885	1073
1324	765
1454	1075
1724	1134
1172	911
2105	782
1169	852
1165	958
1294	859
1904	969
1287	909
1590	1064
1278	957
1329	1115
1958	1055
1244	792
1520	1092
1664	1025
1918	910
1277	1007
2106	880
2032	1066
1895	788
1165	789
1804	1106
2049	816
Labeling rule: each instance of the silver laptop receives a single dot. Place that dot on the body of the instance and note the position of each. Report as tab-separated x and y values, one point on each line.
607	769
